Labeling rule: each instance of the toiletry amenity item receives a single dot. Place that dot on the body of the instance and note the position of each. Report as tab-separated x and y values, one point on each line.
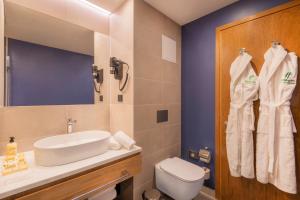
11	147
275	153
239	139
12	161
114	144
205	155
22	164
124	140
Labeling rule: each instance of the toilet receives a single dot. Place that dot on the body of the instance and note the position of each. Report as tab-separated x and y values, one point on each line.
179	179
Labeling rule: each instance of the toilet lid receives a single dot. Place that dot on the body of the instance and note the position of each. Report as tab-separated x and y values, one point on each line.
182	169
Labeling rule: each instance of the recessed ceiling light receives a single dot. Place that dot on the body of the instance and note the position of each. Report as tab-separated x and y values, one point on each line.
106	12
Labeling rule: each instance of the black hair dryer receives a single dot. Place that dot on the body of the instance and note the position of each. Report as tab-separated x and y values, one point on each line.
98	77
116	66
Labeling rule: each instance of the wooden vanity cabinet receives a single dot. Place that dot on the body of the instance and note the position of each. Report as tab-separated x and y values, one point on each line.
88	183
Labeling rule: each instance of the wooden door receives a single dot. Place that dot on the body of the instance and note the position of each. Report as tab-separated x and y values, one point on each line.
256	34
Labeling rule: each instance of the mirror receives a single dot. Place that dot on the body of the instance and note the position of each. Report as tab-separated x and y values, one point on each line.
48	61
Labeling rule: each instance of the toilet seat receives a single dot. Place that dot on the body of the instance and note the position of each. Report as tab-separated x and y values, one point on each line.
182	169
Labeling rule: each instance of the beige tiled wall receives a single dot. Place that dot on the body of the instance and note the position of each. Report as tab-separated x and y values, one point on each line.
157	86
136	30
1	53
30	123
121	46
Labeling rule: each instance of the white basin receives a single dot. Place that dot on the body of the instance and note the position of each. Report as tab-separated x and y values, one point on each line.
67	148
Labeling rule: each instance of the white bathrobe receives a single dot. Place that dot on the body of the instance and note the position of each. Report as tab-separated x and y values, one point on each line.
239	138
275	156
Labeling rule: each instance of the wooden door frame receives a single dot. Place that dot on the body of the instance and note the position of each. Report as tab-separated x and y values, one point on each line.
218	102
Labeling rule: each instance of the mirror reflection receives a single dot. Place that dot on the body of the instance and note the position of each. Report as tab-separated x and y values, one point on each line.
48	61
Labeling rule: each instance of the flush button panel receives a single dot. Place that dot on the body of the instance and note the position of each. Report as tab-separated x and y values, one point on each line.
162	116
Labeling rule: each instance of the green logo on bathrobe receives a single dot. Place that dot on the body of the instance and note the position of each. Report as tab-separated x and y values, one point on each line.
251	79
287	79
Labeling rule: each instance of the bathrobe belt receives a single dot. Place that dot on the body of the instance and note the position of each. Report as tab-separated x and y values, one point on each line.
273	115
237	108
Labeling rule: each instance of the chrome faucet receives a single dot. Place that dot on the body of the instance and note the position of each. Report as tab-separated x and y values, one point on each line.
70	124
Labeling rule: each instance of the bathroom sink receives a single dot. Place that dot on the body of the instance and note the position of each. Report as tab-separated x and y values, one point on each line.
67	148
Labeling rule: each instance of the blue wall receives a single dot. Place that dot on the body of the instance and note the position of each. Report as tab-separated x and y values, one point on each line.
198	74
43	75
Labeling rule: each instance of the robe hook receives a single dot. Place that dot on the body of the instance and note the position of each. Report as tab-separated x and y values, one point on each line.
275	44
242	51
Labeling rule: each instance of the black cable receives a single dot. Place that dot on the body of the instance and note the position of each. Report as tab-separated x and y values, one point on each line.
126	79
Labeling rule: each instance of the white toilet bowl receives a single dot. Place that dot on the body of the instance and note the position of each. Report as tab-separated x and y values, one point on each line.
179	179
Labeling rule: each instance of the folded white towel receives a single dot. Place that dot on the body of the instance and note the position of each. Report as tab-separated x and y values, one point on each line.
114	144
108	194
124	140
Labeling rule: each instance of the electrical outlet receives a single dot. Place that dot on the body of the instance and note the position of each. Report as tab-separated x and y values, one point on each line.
193	155
120	98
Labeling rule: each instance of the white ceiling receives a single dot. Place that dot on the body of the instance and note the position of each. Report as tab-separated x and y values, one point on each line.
110	5
185	11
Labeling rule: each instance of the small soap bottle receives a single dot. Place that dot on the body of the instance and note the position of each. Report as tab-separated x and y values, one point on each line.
10	157
11	147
